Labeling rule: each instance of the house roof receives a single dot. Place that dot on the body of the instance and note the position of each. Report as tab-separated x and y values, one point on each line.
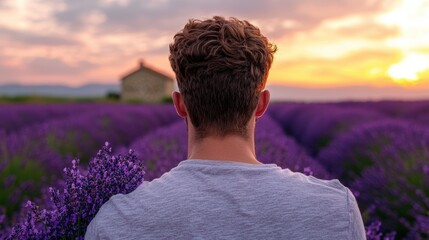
149	69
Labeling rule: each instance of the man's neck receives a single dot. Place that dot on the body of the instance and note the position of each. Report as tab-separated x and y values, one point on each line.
230	148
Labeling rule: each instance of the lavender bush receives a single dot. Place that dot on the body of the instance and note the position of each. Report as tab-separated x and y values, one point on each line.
78	135
418	112
293	119
349	154
396	188
73	207
162	149
315	125
386	166
34	156
328	122
25	114
283	113
397	109
414	111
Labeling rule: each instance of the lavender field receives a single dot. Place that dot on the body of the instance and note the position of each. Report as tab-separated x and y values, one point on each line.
56	156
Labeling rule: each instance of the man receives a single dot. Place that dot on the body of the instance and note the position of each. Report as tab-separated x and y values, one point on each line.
222	191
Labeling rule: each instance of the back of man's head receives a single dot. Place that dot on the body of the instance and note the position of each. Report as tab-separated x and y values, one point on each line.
221	66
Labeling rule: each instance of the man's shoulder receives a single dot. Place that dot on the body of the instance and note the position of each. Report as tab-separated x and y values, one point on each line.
311	184
113	216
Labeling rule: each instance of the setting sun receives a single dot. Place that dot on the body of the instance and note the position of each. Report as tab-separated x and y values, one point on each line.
407	71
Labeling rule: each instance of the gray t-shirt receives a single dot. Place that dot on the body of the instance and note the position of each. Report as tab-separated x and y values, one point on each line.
206	199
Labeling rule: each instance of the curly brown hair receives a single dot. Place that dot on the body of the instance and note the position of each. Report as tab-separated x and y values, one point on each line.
221	66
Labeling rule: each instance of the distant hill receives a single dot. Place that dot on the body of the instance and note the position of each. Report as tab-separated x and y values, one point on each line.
278	92
358	93
89	90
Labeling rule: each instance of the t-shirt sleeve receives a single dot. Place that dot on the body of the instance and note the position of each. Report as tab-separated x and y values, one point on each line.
356	227
91	230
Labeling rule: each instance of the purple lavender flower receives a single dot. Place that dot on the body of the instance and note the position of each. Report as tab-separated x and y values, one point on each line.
74	207
374	232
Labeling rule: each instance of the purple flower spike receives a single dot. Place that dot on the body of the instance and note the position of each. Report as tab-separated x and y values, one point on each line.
83	194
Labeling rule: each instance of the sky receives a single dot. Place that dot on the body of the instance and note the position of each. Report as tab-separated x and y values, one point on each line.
329	43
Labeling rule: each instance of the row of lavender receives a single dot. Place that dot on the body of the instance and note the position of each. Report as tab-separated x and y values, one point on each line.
38	141
378	150
17	116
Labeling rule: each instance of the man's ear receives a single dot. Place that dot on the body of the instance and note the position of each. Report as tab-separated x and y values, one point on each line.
264	99
179	104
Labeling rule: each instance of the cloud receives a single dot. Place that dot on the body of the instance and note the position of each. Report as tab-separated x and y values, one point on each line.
10	70
35	38
4	5
47	66
357	26
370	31
168	16
6	72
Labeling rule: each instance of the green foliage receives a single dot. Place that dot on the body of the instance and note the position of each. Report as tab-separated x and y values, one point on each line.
113	96
24	171
167	99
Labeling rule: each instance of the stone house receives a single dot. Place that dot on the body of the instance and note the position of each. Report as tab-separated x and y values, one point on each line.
146	85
